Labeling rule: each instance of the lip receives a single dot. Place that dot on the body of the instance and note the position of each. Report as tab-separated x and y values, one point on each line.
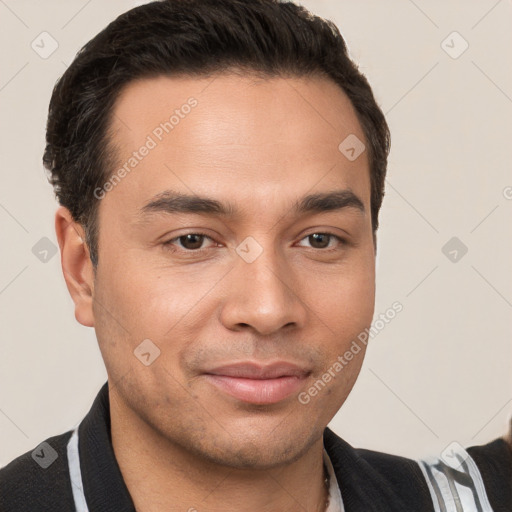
258	384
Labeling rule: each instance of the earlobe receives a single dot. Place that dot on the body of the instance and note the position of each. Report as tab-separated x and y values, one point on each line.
76	265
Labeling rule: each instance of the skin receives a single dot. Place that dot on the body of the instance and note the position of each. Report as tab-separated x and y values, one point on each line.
180	442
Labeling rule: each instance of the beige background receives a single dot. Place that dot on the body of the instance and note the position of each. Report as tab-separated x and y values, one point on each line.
441	370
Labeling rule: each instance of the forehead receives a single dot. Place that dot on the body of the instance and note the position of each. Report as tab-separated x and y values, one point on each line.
246	138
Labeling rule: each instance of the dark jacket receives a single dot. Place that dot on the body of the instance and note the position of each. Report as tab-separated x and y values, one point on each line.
40	480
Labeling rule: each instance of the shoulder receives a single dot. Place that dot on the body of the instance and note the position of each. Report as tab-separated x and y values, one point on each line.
39	479
371	480
479	476
494	461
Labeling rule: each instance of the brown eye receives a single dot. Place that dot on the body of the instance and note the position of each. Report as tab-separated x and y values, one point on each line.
319	240
323	241
191	241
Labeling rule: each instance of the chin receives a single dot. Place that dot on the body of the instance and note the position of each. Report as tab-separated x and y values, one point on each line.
254	450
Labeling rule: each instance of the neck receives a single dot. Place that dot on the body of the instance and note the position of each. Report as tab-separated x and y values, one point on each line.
161	475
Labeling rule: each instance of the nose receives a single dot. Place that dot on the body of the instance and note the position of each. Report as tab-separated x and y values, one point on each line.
264	295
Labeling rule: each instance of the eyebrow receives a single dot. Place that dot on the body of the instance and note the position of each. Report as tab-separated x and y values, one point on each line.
169	202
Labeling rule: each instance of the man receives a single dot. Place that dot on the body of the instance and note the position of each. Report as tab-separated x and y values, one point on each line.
220	167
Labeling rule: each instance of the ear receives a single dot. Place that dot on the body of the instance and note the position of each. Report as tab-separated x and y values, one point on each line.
76	265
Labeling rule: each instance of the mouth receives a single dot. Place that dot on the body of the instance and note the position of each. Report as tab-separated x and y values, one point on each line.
258	384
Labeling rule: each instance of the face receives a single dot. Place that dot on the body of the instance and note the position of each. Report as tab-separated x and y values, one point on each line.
223	294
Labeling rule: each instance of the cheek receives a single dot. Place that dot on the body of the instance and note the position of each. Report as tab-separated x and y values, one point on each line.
343	300
327	391
147	300
170	307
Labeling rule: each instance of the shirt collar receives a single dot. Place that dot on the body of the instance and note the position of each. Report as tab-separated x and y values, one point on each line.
335	500
102	480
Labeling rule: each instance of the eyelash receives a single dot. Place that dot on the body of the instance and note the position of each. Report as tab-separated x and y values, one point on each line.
169	244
